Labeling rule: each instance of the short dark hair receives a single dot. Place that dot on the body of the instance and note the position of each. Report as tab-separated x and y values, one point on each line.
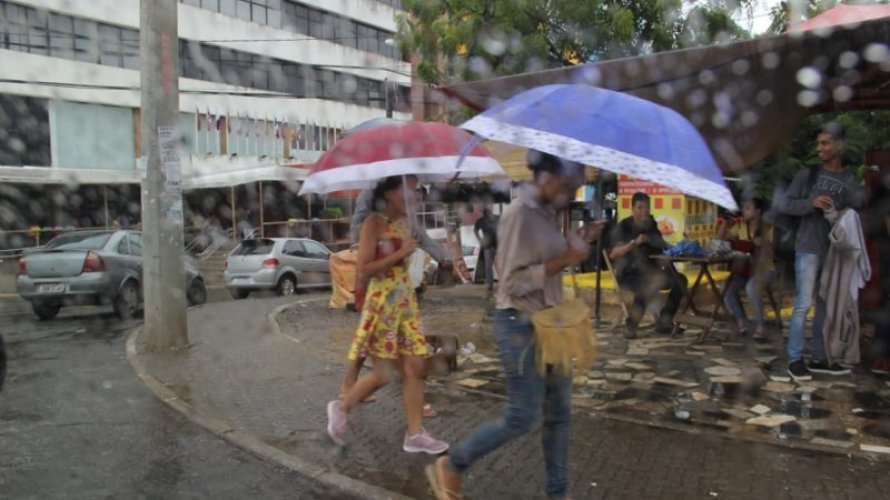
386	185
540	162
638	197
835	130
759	203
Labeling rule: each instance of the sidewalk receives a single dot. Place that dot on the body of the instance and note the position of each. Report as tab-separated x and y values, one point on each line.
274	386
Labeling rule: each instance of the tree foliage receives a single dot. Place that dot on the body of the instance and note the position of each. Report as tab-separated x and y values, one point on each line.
471	39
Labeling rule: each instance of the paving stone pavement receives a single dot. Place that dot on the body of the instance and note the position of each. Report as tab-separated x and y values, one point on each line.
276	387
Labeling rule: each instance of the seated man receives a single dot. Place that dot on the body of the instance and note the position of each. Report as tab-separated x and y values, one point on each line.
634	240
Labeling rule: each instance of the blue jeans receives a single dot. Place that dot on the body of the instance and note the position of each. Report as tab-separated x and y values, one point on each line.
807	275
754	287
529	395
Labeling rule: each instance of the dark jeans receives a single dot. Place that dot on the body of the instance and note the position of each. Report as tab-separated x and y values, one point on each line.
645	286
529	396
488	258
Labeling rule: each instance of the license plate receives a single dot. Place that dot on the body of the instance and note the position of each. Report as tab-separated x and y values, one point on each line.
51	288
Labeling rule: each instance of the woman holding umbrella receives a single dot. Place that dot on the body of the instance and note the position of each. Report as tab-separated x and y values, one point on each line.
389	330
531	260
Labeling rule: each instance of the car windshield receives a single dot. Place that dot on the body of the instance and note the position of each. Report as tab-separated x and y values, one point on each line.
254	247
79	241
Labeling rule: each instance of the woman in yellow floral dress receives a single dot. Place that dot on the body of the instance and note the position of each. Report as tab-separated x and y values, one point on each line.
390	330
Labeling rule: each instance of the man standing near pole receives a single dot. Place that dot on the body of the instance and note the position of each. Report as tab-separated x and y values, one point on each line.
165	312
486	231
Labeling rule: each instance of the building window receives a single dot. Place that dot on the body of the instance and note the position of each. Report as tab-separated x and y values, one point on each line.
29	30
307	20
265	12
24	125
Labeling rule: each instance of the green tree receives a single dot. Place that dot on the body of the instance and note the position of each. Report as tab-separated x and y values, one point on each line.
470	39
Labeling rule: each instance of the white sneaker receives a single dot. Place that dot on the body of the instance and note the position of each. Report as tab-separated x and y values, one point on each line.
425	443
337	423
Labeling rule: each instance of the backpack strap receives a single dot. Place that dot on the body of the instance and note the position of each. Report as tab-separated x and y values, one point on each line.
812	178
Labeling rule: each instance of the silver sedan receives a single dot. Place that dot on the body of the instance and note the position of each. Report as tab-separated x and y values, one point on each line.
92	267
280	264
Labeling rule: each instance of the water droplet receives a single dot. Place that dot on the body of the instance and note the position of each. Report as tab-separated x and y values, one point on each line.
493	41
706	77
741	67
809	77
771	60
665	91
848	59
720	119
807	98
876	52
750	118
764	97
697	98
842	93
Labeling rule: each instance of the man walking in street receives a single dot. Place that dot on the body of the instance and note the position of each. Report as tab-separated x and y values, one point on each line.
813	191
486	231
635	240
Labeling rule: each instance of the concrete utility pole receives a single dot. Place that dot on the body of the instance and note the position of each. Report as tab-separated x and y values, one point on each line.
389	104
164	274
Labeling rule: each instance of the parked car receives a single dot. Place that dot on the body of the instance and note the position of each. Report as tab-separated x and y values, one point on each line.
284	265
470	248
92	267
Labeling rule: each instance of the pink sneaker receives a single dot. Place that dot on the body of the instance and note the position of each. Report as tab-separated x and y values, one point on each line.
425	443
337	423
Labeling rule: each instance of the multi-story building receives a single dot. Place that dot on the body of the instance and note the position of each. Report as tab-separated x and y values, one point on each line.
263	84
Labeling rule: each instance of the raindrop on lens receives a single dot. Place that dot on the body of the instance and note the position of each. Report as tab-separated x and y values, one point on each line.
876	53
848	59
665	91
771	60
807	98
493	41
764	98
809	77
706	77
843	93
749	118
741	67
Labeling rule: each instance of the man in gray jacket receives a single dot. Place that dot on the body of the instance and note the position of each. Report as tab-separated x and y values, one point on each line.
833	186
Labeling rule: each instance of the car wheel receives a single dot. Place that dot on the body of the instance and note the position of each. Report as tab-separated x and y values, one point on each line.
45	311
238	294
197	293
126	304
287	286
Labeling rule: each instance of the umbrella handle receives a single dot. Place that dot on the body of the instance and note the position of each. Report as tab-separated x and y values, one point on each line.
408	214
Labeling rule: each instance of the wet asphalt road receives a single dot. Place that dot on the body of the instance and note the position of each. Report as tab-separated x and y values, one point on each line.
75	422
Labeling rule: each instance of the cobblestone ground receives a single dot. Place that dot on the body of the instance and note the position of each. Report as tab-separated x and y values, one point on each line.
276	387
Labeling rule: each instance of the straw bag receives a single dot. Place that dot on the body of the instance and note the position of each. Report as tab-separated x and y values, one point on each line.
564	333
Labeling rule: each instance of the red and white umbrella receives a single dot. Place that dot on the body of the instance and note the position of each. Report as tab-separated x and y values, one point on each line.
431	151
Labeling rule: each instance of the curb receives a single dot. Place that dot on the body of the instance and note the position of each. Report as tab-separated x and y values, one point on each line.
222	428
688	428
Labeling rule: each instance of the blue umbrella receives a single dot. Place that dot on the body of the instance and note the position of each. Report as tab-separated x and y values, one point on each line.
611	131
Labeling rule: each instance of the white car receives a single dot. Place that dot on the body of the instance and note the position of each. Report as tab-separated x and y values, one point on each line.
470	248
280	264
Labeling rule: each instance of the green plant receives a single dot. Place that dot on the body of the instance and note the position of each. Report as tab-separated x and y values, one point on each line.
333	213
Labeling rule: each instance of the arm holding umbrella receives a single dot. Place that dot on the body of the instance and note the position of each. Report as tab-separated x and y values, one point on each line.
369	264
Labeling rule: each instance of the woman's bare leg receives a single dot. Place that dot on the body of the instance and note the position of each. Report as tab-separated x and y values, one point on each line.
412	367
380	375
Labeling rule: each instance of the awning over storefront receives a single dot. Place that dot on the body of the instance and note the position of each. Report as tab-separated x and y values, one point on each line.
196	174
746	98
